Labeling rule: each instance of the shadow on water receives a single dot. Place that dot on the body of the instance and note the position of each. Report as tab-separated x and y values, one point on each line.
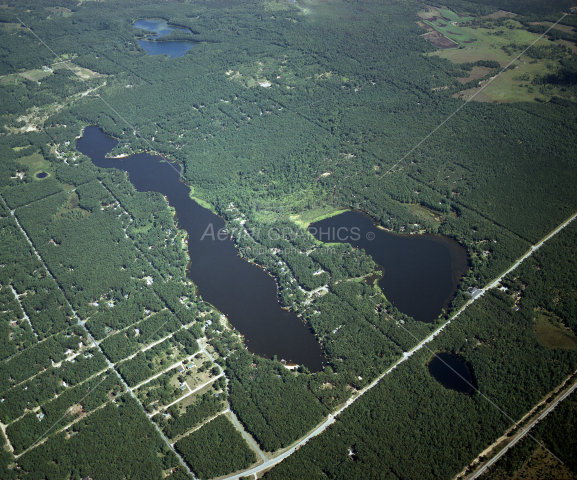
421	273
239	289
451	372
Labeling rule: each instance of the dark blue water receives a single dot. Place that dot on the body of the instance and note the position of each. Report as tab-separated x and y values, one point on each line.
239	289
421	273
41	175
451	372
172	49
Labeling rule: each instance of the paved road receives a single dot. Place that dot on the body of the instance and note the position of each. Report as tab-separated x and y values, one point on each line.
330	420
524	431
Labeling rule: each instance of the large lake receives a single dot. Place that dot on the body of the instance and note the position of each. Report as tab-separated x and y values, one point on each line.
173	48
239	289
421	273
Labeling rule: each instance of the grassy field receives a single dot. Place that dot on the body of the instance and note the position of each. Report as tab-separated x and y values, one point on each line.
423	212
452	16
36	164
452	32
304	219
513	85
489	44
10	27
552	333
71	208
444	22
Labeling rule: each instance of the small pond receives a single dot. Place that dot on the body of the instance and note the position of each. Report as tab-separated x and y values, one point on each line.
41	175
451	372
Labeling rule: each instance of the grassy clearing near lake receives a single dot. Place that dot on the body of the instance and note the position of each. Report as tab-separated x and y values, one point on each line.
36	164
203	203
424	212
305	219
552	333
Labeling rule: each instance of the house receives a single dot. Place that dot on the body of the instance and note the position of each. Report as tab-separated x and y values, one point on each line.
190	365
40	417
182	386
181	369
166	415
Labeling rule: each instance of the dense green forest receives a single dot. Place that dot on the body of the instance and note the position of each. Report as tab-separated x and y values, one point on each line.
206	406
394	429
273	403
289	111
216	449
132	447
557	433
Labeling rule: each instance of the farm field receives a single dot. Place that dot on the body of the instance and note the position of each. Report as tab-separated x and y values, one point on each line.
284	113
502	44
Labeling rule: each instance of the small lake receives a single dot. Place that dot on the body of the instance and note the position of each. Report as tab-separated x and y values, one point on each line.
451	372
421	273
173	48
41	175
239	289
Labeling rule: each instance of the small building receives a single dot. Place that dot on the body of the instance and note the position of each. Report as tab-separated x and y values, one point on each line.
190	365
166	415
40	417
183	386
181	369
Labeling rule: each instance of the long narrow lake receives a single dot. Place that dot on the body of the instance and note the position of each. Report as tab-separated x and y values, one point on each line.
239	289
421	273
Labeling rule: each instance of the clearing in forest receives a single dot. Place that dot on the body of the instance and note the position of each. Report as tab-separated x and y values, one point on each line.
552	333
446	34
502	41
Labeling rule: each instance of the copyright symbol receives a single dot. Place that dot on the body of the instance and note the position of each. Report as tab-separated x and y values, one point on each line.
370	236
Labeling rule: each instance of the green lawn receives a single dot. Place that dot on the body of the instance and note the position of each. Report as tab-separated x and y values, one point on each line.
451	31
452	16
